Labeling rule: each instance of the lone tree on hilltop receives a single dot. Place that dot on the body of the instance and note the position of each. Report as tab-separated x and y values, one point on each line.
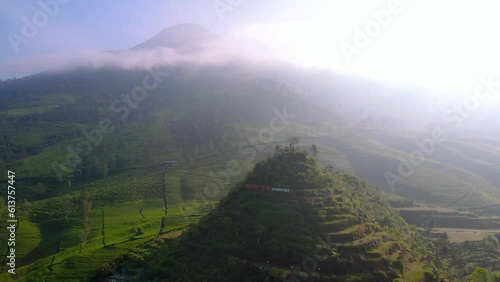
293	140
314	150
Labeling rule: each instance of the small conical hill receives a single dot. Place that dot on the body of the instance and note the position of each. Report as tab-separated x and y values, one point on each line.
329	227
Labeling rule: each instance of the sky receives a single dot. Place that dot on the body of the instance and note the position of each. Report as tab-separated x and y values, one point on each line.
440	44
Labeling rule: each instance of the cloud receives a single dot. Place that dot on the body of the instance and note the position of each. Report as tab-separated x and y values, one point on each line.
125	59
445	56
215	53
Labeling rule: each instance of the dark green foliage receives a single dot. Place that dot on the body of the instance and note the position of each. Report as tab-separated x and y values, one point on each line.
23	213
187	191
290	168
429	276
102	228
138	231
480	275
459	260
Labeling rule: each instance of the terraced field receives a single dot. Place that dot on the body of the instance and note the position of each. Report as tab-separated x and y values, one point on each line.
48	251
38	258
459	173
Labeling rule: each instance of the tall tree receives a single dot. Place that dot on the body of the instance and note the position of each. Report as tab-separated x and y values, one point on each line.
293	140
140	207
102	228
429	225
86	206
164	194
66	204
314	150
162	225
2	206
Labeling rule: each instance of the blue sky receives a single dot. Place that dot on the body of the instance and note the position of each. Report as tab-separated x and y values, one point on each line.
112	24
94	25
97	25
443	44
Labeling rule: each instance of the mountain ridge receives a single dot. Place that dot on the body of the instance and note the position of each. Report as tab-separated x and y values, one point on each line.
184	38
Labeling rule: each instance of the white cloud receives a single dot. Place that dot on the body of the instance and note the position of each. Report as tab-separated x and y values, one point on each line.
444	45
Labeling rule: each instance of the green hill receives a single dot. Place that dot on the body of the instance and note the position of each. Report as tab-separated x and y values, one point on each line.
208	118
329	227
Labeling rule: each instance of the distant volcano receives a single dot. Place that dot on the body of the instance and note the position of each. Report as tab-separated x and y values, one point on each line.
184	38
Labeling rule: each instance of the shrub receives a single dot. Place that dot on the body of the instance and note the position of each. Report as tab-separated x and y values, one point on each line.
428	276
138	231
275	273
399	265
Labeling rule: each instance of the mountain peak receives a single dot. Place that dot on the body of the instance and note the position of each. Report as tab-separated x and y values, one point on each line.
186	37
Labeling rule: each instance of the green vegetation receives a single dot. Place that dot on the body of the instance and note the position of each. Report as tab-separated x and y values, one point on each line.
482	275
330	227
459	260
49	251
80	220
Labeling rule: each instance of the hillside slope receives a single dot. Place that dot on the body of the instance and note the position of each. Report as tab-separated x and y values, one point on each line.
196	111
329	227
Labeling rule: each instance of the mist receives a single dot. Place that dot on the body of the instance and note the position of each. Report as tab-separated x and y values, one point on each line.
415	107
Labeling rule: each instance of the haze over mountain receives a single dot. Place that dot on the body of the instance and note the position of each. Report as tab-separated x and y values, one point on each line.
416	106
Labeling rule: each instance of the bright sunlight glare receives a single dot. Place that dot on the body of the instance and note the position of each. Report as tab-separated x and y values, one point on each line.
443	45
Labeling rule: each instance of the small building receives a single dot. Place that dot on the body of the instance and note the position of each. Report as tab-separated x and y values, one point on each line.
250	186
257	187
284	190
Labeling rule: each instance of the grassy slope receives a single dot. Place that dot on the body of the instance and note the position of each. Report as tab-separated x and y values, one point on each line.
37	241
348	153
69	264
118	193
448	177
